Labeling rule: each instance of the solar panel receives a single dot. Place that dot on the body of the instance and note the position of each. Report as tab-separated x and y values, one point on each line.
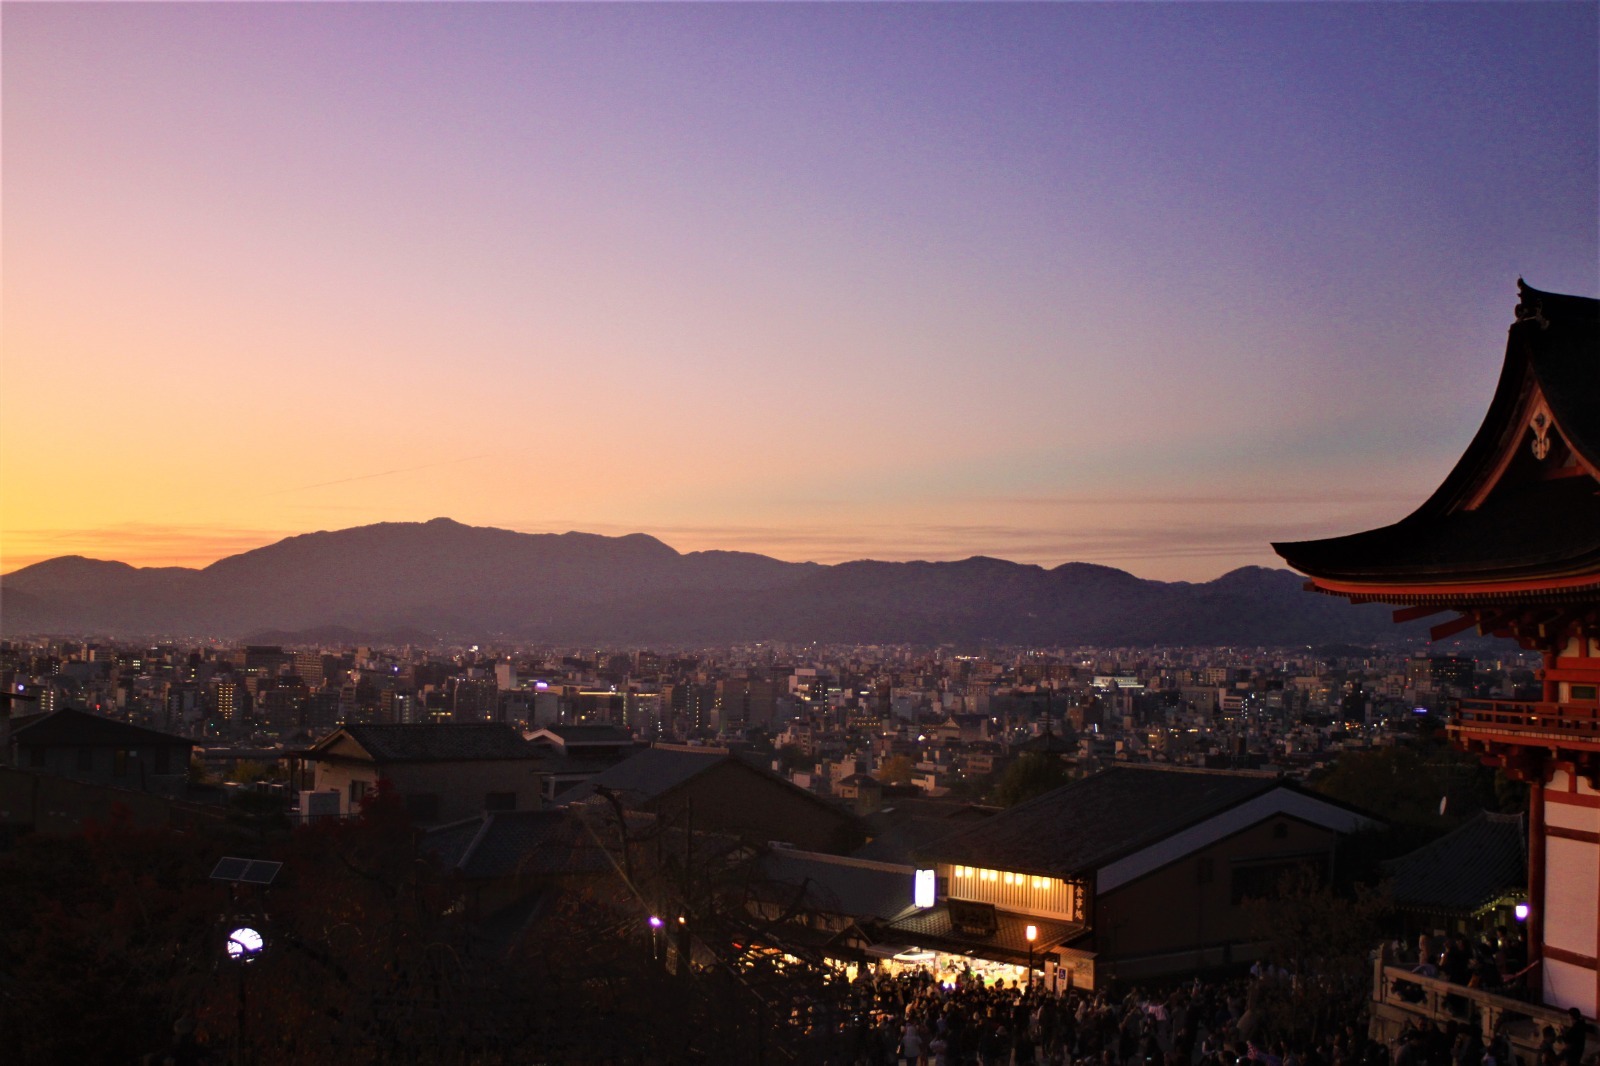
260	872
248	871
229	869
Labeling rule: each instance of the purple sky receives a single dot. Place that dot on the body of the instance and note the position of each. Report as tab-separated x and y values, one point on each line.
1140	284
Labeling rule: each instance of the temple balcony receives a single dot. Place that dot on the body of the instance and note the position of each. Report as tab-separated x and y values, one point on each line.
1401	998
1528	738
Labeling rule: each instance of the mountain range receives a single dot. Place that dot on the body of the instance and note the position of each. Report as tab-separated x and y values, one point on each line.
449	580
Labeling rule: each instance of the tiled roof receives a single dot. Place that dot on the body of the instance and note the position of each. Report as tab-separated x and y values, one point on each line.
1528	528
590	734
932	928
649	773
900	832
858	888
68	727
441	743
1466	869
1082	826
518	843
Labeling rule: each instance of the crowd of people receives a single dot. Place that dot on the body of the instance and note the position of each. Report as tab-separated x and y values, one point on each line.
913	1019
1497	964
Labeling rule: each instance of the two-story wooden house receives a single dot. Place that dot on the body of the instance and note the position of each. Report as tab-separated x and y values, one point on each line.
444	772
1134	872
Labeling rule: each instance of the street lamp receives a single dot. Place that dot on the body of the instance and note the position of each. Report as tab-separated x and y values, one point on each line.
1032	933
244	944
655	933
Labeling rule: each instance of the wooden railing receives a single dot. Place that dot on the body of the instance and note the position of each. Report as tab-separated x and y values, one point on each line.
1398	996
1580	720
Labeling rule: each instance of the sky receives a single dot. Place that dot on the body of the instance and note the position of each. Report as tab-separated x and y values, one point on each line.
1141	284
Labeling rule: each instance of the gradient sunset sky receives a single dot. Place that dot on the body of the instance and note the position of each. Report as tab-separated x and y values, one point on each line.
1146	285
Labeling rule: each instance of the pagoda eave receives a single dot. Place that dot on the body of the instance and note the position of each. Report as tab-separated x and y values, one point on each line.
1464	594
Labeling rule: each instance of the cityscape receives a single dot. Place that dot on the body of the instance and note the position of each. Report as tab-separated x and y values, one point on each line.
821	534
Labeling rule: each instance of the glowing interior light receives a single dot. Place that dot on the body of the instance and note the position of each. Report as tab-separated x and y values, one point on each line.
1522	912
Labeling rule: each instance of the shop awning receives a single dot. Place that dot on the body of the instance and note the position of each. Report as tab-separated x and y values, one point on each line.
933	928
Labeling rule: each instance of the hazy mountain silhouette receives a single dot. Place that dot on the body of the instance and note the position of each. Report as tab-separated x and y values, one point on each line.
449	579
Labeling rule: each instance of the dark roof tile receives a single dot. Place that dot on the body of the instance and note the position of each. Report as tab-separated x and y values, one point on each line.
858	888
69	727
441	743
1080	827
650	773
1465	870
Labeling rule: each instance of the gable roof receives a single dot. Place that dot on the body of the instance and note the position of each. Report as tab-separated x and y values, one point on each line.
1467	869
518	843
471	741
72	728
1080	827
651	772
859	888
588	734
1499	520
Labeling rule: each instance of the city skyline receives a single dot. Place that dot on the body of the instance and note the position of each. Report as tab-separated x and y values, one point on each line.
1137	285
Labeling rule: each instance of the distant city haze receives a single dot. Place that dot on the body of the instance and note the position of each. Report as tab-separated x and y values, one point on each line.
1143	285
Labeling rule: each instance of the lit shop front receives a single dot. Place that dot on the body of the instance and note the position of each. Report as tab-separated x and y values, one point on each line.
992	926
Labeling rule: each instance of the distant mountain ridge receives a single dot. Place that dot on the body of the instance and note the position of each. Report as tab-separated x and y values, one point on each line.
449	579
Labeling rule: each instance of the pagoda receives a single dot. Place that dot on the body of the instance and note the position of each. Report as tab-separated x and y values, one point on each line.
1509	545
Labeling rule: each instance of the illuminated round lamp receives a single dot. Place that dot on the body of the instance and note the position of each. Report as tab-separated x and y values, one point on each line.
1521	911
655	923
244	944
1031	933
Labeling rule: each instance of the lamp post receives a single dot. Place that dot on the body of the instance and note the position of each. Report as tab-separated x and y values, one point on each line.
1032	933
655	937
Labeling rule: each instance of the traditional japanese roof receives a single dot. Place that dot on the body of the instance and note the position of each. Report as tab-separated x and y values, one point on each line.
934	928
1518	518
1478	864
646	776
587	734
650	772
431	743
518	843
73	728
835	884
900	832
1080	829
